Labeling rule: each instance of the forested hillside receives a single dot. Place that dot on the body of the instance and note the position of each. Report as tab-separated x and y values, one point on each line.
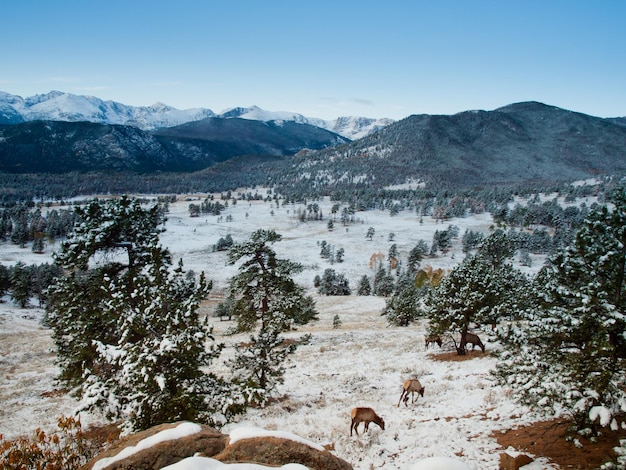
523	145
524	142
62	147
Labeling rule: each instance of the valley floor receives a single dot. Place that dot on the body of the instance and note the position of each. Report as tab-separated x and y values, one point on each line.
362	363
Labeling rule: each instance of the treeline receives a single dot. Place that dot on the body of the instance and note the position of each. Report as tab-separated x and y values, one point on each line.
40	224
239	172
24	223
287	180
22	282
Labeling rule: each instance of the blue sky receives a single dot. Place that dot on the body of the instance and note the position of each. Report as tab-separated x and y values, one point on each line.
322	58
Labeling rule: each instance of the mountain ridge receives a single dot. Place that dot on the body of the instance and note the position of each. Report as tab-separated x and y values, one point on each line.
62	106
517	142
514	144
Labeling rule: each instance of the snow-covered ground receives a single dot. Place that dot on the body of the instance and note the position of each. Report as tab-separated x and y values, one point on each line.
361	363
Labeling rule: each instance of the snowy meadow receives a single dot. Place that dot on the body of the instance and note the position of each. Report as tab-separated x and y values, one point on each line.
361	362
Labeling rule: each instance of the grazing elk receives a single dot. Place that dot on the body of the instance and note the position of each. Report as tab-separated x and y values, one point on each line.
471	338
366	416
411	386
432	339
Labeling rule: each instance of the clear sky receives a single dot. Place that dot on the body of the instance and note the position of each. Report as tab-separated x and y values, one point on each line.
321	58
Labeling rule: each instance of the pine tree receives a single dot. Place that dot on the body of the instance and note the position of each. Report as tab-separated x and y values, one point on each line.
416	255
392	256
126	326
497	248
43	276
20	284
5	281
365	287
471	240
482	289
384	282
403	307
569	353
332	283
19	235
268	299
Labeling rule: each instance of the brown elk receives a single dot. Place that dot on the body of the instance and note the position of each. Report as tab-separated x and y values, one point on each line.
433	339
410	386
366	416
471	338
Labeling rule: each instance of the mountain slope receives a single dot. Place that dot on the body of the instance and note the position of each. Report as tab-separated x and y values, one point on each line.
58	147
220	139
519	142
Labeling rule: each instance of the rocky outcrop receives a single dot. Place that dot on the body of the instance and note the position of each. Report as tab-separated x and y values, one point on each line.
158	447
279	451
513	461
168	444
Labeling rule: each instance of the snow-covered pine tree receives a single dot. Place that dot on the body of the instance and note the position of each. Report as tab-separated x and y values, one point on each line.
483	289
403	307
267	298
364	286
569	353
126	325
332	283
383	283
20	284
416	255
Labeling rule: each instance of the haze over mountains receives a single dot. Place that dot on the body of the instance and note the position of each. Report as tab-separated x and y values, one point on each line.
520	142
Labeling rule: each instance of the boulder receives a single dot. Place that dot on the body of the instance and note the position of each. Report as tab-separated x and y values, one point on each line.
513	462
160	446
278	451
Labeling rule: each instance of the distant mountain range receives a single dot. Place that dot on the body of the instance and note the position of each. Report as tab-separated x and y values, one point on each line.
60	106
517	143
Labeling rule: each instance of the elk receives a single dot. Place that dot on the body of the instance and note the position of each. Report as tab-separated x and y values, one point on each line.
366	416
432	339
411	386
472	339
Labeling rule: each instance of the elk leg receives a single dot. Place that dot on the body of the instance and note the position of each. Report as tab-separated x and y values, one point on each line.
401	397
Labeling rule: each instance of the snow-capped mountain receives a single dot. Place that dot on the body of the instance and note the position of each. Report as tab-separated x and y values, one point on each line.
60	106
358	127
351	127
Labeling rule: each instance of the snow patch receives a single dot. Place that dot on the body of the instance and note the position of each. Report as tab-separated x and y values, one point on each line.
206	463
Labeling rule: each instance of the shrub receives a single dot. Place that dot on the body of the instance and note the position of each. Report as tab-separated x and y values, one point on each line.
66	450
